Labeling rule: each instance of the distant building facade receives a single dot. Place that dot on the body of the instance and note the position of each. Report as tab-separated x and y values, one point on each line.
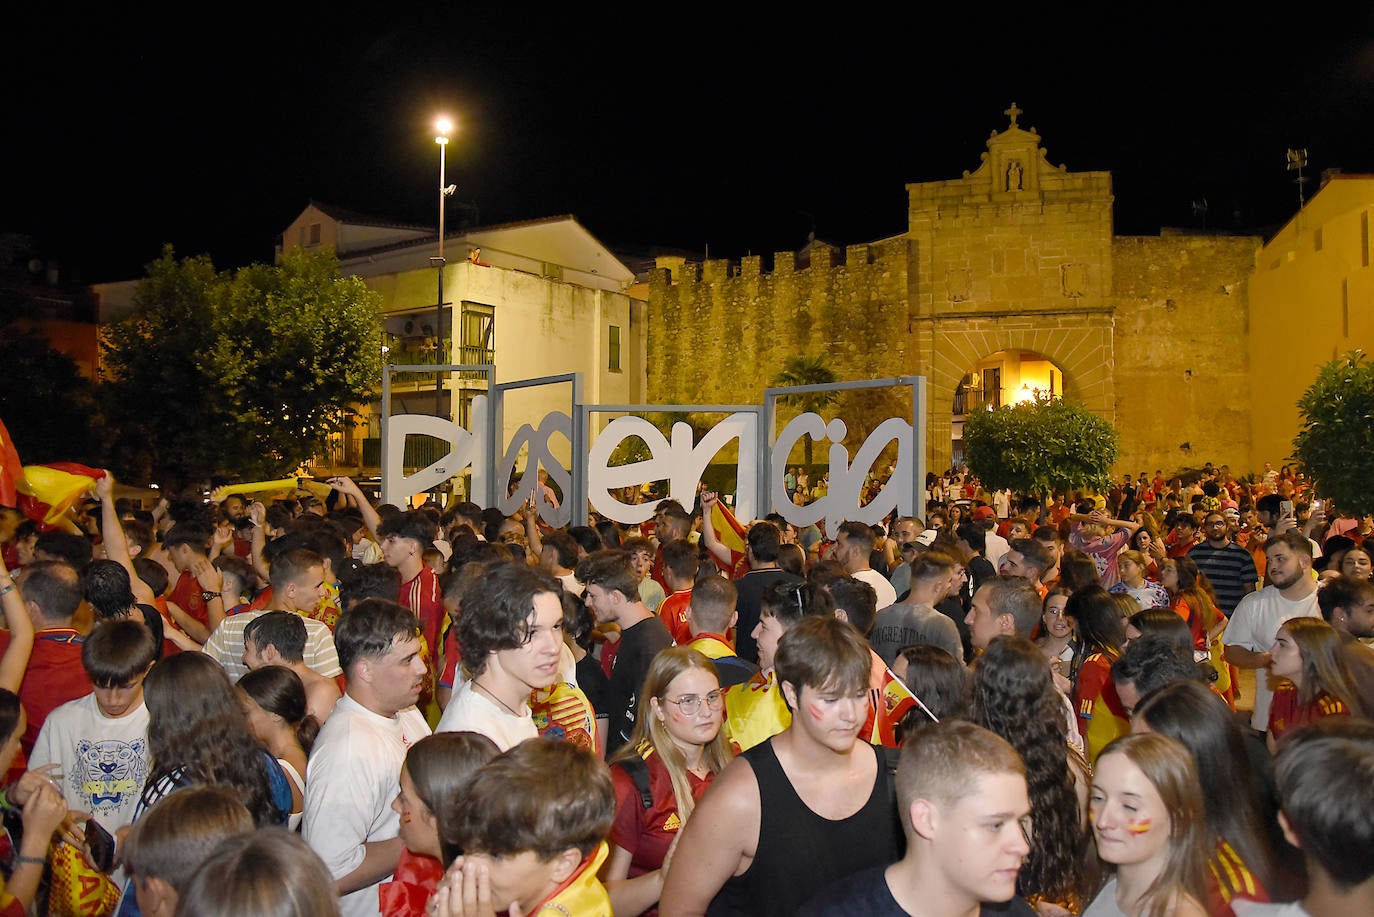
1010	282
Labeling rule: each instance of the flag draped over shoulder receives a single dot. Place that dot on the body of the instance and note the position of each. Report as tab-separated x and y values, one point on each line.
732	534
46	492
11	472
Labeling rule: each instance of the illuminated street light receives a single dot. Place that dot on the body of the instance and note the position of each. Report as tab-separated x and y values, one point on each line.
444	127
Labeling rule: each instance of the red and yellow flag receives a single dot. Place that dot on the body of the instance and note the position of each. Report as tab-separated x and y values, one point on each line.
11	472
892	700
732	534
48	491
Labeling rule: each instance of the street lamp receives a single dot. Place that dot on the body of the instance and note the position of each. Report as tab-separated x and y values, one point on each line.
444	126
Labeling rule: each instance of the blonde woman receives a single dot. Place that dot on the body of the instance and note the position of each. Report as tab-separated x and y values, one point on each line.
676	750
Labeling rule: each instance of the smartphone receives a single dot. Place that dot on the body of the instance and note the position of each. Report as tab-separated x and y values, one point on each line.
1286	508
101	845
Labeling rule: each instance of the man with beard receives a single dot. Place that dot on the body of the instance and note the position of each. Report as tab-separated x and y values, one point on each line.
1291	593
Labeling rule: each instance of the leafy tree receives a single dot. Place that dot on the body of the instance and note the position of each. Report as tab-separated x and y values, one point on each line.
1337	434
45	402
1040	447
240	373
807	371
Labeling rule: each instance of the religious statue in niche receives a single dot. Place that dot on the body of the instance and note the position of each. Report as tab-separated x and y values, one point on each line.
1014	175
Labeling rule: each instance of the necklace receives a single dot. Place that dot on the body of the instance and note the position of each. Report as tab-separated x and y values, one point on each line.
487	692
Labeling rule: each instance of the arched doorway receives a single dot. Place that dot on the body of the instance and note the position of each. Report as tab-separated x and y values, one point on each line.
1000	378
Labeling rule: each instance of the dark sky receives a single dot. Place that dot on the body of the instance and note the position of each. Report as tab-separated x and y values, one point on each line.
654	127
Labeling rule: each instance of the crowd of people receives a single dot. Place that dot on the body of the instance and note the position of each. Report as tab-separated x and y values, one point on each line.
299	705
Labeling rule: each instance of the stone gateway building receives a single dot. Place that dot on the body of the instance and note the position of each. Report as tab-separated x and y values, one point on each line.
1008	283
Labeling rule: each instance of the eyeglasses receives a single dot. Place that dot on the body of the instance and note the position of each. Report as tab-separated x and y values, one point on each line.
690	704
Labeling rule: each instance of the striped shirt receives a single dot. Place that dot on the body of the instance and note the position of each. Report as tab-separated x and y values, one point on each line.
1230	569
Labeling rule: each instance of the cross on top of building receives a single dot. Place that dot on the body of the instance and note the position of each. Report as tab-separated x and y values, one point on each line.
1012	113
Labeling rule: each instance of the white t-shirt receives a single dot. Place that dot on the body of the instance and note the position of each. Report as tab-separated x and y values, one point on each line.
353	774
470	710
103	761
886	594
1254	625
995	547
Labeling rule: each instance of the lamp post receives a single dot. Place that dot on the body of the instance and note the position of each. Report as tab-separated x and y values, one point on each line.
443	126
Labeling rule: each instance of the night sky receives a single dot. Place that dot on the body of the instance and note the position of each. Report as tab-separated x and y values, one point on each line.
210	127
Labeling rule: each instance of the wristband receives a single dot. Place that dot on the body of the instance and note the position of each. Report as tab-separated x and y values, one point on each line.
208	596
8	589
37	861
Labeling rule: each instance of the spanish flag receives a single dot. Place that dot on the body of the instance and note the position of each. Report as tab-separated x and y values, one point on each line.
734	536
48	491
11	472
891	701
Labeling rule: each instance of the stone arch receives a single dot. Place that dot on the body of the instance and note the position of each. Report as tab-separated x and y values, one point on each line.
1079	344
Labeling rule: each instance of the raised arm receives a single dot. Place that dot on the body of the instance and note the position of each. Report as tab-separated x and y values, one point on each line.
708	532
349	487
116	543
16	657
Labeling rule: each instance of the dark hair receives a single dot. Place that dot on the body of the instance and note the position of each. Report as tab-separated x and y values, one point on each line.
543	795
107	588
1165	623
67	547
681	559
974	536
496	612
266	873
1324	775
858	599
564	548
1200	720
194	534
239	569
1097	622
610	533
1150	662
942	682
1342	592
611	571
279	690
1015	697
764	538
823	653
790	602
1077	571
415	526
857	533
792	558
586	538
172	839
10	708
54	586
370	628
1035	553
198	734
152	573
367	581
284	630
117	651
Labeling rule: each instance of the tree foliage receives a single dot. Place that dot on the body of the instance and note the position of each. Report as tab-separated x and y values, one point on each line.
1337	435
1038	447
803	370
242	372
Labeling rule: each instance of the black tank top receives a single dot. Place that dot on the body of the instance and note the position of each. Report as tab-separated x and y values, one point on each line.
799	852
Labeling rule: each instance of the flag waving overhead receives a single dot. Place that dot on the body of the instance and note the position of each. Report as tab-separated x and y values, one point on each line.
730	533
48	491
11	472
